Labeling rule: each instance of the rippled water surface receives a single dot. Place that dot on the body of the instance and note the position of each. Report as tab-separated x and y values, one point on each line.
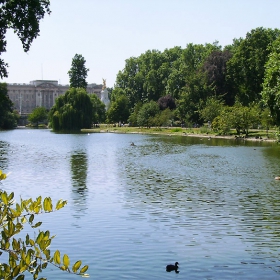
212	205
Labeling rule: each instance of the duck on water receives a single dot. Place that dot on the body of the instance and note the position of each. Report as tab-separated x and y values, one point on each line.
172	267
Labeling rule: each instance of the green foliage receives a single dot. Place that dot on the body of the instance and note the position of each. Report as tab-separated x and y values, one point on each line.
167	102
118	110
23	17
147	114
28	254
133	116
39	114
266	119
99	110
277	135
198	72
211	109
247	66
8	118
215	68
221	124
165	117
271	85
239	117
71	111
78	72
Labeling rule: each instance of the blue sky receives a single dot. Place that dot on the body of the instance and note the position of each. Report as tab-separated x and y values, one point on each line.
107	32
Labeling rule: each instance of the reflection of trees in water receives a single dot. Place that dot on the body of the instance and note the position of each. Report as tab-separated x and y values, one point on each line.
230	192
3	155
79	166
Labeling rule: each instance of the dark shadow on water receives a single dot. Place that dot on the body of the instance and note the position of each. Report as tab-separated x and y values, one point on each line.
79	167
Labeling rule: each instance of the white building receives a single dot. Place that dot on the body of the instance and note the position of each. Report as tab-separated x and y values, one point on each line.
41	93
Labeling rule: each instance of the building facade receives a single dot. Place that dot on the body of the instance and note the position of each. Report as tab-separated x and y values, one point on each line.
41	93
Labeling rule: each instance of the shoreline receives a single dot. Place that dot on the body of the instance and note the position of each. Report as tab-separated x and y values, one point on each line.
184	134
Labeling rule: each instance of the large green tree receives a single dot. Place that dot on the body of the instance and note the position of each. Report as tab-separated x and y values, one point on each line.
78	72
23	17
39	114
215	68
71	111
99	109
118	110
245	70
271	85
147	114
7	118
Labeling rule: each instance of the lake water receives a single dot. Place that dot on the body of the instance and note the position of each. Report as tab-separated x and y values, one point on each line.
212	205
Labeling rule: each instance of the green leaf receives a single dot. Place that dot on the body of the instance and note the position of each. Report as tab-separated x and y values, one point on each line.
66	260
56	257
7	245
47	204
60	204
16	271
4	198
37	225
84	269
15	244
21	277
11	196
44	265
27	239
76	266
31	218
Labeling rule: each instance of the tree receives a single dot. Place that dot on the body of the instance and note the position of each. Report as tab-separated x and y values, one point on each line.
23	17
215	67
147	114
246	68
71	111
238	117
28	253
118	110
78	72
39	114
99	109
271	85
211	109
8	119
266	119
166	102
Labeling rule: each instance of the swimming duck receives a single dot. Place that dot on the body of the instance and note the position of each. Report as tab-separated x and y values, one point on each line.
171	267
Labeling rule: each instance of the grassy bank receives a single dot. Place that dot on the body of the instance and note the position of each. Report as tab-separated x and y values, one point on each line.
255	134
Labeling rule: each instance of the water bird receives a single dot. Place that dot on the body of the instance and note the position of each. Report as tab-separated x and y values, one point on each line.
171	267
132	144
277	178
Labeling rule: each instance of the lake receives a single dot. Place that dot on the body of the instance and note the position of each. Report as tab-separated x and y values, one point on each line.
213	205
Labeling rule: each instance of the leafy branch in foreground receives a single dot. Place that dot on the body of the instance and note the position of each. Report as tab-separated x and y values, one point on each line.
29	254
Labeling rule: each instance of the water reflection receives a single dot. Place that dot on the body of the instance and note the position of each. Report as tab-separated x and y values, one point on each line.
79	169
213	205
207	196
4	148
